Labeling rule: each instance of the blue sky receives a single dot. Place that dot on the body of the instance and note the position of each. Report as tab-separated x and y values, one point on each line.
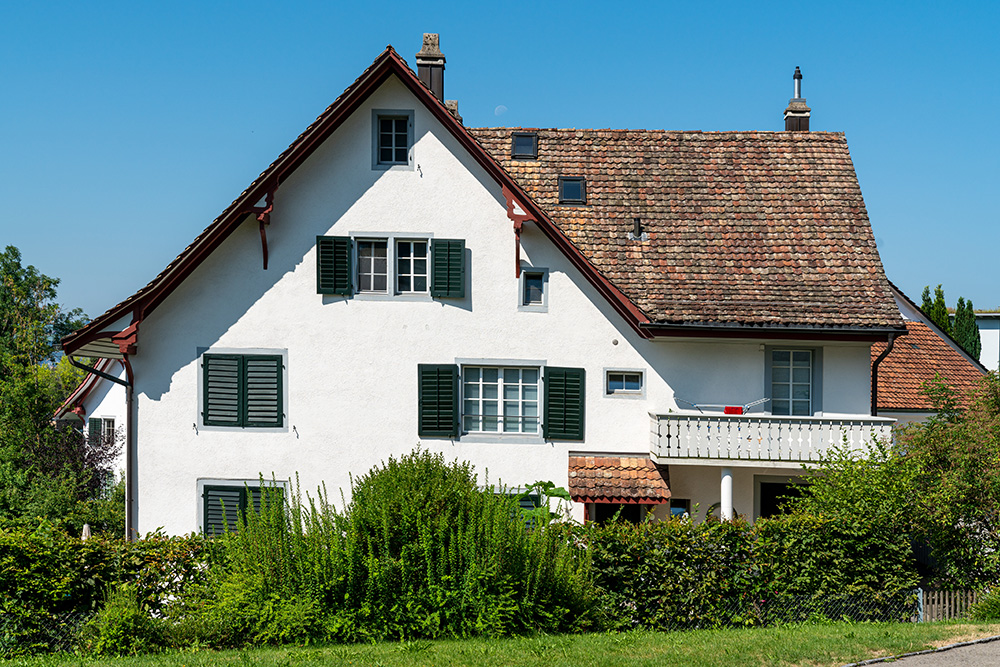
127	127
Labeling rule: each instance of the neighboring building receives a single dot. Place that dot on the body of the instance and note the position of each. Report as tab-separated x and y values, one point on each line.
548	304
98	406
925	353
989	334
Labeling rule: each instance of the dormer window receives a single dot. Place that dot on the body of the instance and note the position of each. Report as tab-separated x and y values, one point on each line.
524	146
572	190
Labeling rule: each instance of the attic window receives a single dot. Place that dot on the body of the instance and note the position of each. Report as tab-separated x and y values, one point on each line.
524	146
572	190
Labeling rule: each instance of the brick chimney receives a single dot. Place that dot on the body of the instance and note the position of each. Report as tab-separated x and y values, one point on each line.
430	64
797	112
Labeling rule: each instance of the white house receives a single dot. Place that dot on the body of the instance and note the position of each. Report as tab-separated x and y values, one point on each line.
660	319
989	333
98	404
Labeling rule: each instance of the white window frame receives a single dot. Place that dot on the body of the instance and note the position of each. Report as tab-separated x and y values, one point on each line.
625	393
501	400
413	275
815	379
391	240
393	165
522	306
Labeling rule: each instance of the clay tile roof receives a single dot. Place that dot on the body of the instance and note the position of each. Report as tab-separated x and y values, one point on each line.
619	479
744	228
914	360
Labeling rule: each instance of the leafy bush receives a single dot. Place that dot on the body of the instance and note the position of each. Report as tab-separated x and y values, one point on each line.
420	551
122	627
987	606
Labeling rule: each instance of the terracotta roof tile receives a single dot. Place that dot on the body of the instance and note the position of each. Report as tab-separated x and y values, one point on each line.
744	228
914	360
617	479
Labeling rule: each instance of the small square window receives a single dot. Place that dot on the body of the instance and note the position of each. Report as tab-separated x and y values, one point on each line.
524	146
623	382
572	190
680	507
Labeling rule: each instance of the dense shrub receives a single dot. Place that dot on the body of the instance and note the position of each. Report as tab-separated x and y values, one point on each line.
681	574
123	626
420	551
47	577
987	607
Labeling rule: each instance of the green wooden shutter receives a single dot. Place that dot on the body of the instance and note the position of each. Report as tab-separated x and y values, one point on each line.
223	505
448	268
222	390
564	403
262	391
94	430
438	400
334	265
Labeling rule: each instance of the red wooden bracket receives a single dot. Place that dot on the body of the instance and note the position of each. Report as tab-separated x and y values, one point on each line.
263	214
513	206
127	339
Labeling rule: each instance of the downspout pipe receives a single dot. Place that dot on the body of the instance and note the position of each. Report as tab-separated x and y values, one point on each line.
875	364
130	531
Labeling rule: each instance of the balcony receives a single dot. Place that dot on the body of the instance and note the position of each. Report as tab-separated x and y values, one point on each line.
705	438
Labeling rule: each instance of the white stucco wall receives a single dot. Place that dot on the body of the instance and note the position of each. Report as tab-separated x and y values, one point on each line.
352	362
989	335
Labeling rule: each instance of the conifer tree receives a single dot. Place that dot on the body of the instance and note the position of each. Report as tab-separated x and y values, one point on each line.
966	331
937	310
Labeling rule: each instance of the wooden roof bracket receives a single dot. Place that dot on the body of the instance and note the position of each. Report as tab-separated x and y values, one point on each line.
263	214
515	212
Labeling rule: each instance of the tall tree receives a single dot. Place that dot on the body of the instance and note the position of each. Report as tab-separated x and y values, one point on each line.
966	331
937	310
45	470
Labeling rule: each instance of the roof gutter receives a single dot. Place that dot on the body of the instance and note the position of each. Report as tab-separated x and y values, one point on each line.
875	365
658	330
128	383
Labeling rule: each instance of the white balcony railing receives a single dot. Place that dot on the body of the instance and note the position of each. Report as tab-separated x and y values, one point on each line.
789	440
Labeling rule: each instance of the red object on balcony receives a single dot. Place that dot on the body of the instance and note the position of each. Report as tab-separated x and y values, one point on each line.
733	410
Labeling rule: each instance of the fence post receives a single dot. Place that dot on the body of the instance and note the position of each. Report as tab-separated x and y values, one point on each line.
920	605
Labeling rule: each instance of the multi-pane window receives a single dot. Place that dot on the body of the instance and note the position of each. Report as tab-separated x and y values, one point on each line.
411	266
101	429
393	139
624	382
373	266
500	399
791	382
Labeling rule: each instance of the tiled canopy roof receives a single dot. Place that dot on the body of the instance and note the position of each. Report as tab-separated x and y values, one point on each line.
620	479
914	360
744	228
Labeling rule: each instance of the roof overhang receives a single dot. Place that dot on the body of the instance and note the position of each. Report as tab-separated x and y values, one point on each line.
731	331
93	337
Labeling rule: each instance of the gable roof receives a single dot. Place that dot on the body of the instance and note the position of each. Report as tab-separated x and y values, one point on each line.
87	385
761	229
916	359
96	339
925	352
819	250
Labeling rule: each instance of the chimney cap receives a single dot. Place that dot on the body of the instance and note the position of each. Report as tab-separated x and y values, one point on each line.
798	73
431	49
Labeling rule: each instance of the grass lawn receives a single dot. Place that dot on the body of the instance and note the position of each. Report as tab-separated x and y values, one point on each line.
813	645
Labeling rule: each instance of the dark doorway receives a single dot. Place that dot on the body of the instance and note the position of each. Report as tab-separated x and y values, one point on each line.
631	512
774	497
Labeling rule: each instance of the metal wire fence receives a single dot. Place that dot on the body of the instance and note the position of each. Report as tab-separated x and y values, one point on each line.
29	634
26	634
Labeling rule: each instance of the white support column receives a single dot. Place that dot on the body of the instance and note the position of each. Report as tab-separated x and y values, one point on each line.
726	495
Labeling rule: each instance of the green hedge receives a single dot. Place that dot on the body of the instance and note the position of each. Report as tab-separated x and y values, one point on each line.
49	580
680	574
